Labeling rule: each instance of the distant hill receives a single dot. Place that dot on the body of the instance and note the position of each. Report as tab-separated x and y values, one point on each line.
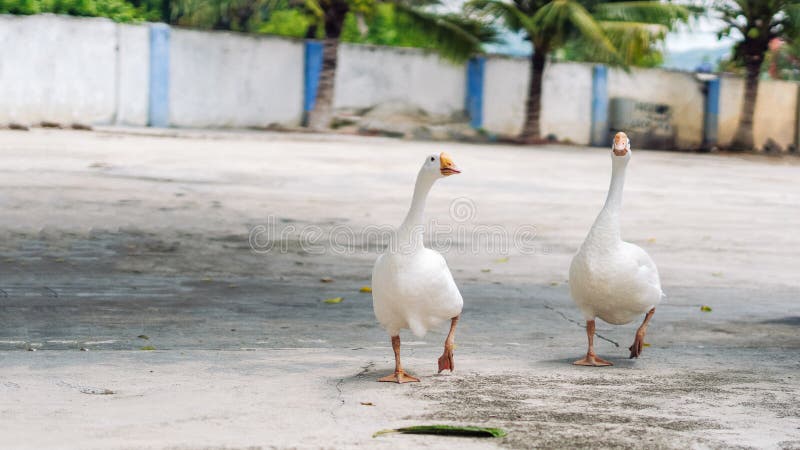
690	59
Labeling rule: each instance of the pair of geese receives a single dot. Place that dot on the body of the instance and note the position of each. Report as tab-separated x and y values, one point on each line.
412	287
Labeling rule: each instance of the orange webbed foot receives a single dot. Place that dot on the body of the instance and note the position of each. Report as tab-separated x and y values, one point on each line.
592	360
446	360
638	344
399	377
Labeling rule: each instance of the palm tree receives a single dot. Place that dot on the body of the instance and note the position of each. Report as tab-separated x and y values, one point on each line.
453	36
758	22
613	32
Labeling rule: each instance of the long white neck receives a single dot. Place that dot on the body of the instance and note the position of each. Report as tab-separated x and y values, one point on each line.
412	229
606	226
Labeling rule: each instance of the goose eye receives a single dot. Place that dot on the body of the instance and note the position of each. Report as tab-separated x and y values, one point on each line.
432	158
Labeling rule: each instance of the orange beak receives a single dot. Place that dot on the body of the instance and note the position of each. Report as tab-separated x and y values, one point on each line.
446	165
620	144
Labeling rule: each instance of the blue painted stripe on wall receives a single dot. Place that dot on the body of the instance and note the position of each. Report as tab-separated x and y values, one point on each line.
158	113
600	132
475	75
313	67
711	120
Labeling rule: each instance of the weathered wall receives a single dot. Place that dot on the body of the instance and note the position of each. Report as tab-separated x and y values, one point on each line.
775	115
234	80
566	98
370	75
57	69
680	90
92	71
133	75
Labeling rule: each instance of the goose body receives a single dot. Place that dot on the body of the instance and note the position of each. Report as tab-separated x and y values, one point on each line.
412	287
414	291
609	278
615	281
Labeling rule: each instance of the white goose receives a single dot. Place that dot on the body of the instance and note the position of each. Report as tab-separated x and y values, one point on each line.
611	279
411	285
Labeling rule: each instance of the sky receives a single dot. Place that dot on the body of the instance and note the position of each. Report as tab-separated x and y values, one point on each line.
701	33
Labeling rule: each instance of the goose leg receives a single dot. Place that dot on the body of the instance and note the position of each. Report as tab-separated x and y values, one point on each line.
399	375
638	342
591	359
446	360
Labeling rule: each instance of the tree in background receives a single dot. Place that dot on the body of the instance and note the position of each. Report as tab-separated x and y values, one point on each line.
450	35
619	33
758	22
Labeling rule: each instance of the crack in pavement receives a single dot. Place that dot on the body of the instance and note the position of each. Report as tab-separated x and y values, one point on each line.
579	324
338	386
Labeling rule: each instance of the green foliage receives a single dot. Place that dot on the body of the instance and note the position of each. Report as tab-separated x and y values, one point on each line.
614	32
757	22
286	22
118	10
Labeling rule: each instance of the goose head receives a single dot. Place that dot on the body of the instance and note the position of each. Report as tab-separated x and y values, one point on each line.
440	166
621	149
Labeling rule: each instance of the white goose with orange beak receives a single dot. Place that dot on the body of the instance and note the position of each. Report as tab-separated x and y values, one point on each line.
412	287
609	278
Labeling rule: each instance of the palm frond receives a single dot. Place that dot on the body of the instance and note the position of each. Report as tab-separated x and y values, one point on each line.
633	39
559	20
314	9
507	13
666	14
791	20
456	38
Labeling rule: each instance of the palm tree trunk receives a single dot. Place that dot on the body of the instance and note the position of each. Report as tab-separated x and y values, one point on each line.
743	139
319	118
531	132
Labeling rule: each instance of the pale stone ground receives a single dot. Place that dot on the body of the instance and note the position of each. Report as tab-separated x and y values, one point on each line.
107	236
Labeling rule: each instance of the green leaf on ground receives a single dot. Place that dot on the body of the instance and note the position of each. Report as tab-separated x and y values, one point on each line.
447	430
365	289
501	260
148	348
705	308
143	336
486	270
333	301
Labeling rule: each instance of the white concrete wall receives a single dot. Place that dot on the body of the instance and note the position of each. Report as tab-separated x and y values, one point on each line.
92	71
775	115
566	98
220	79
133	75
505	86
680	90
370	75
57	69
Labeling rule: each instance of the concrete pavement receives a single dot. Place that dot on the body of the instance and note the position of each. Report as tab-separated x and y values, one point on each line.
112	242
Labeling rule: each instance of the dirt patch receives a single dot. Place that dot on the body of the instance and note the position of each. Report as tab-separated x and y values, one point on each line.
611	410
